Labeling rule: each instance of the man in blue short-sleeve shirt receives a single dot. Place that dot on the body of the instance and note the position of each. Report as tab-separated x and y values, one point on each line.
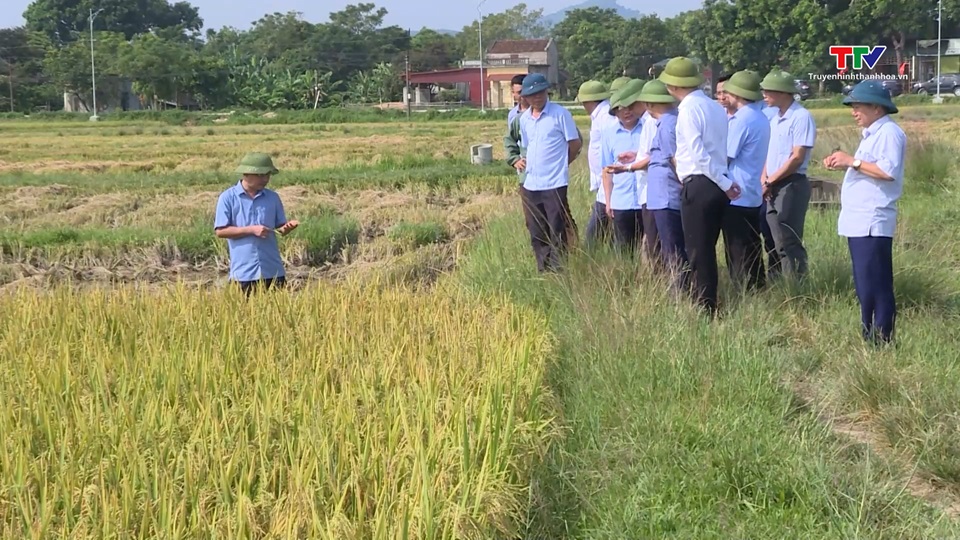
748	137
786	187
552	140
249	216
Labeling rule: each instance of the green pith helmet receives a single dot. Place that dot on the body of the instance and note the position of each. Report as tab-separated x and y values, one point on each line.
621	98
257	163
655	92
592	91
618	83
744	84
682	72
779	81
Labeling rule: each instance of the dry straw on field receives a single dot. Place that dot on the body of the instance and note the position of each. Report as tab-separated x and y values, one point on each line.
333	412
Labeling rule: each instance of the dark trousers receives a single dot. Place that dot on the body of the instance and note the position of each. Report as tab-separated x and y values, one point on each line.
672	246
651	238
769	246
786	214
548	219
702	207
598	226
247	287
627	230
744	246
873	280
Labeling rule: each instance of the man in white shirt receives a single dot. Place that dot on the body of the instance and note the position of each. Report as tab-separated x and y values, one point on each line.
701	160
595	98
868	205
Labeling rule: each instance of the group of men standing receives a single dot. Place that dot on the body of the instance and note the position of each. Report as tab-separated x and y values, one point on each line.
673	170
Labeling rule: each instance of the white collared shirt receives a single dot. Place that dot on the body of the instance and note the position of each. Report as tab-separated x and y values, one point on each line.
600	120
868	207
646	141
702	139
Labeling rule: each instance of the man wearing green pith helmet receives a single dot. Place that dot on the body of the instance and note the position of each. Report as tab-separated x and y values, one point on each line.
702	167
595	98
249	216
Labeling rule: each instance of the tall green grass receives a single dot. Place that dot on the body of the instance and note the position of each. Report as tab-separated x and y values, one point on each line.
684	428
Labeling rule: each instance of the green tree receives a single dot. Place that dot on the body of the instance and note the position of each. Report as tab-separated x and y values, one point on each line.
70	69
518	22
62	20
430	50
21	71
588	41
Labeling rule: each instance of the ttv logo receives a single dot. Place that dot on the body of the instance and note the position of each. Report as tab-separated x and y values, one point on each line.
861	55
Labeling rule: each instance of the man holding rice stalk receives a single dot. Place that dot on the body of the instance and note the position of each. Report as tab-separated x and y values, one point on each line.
553	141
619	186
249	216
868	205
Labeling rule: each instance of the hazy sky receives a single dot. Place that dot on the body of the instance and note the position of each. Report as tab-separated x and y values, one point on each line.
448	14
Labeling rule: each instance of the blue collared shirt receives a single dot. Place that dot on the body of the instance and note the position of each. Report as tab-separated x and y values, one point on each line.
748	138
663	184
617	140
868	207
795	128
547	140
251	258
768	112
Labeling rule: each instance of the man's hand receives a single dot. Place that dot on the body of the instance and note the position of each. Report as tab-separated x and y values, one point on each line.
627	157
288	226
838	160
520	165
259	231
616	168
609	211
734	192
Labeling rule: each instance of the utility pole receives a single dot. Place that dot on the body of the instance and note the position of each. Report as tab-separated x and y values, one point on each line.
938	99
483	82
93	69
407	88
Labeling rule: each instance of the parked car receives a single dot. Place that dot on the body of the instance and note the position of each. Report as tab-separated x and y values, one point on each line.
803	90
949	84
894	87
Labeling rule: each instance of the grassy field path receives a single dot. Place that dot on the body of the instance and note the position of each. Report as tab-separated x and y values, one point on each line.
681	428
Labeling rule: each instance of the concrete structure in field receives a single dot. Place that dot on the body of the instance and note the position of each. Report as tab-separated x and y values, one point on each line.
503	60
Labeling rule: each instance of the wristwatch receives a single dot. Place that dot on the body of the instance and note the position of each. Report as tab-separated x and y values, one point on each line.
856	164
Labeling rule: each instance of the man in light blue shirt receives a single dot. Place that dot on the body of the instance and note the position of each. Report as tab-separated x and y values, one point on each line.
871	188
621	198
748	136
663	184
553	142
249	216
784	179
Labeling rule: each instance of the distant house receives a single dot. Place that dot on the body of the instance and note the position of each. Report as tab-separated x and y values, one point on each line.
509	57
503	60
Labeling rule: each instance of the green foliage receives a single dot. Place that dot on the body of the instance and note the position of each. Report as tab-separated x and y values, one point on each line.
413	235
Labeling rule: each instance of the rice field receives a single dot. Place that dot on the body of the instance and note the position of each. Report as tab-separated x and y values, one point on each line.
420	380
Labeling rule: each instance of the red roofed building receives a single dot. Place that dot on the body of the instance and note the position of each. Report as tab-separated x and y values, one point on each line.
503	60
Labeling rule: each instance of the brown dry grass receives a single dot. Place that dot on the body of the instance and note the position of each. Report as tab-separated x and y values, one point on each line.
109	151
